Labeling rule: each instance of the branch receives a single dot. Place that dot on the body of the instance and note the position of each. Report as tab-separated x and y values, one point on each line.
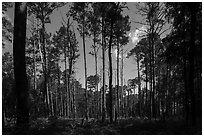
51	10
164	30
160	27
139	22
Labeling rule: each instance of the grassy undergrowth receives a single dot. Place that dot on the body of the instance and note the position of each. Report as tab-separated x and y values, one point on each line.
64	126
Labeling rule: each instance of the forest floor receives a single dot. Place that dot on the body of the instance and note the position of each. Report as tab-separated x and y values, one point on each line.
63	126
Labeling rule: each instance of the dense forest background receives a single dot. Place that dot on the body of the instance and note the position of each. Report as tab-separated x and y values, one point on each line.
165	97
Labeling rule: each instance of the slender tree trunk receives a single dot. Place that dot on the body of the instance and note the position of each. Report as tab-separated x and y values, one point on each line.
167	91
65	78
96	73
128	104
117	79
3	119
85	71
150	98
111	74
34	63
71	56
45	67
58	106
153	73
146	102
68	84
51	99
122	100
139	86
56	100
104	84
42	63
61	101
21	82
74	101
186	89
192	7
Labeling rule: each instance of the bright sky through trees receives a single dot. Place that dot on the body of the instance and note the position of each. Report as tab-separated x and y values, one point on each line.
137	34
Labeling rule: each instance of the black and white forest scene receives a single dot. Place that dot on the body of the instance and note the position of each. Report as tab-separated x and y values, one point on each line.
101	68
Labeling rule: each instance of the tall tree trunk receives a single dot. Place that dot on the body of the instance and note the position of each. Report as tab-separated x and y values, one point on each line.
71	55
62	104
146	101
42	63
65	80
139	86
186	88
122	99
150	66
51	99
21	82
74	101
111	73
104	84
85	71
3	118
34	63
117	91
69	92
96	73
58	106
192	7
45	67
167	91
153	72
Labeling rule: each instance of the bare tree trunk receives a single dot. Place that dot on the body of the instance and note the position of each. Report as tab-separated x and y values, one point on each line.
153	78
96	73
34	63
56	100
21	82
104	84
45	68
74	101
192	7
186	89
117	96
71	51
146	102
122	100
58	106
85	71
51	99
111	73
150	98
139	87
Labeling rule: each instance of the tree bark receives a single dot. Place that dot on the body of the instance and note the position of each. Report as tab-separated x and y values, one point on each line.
85	70
21	82
146	101
104	84
139	87
65	79
96	73
45	68
117	91
111	73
